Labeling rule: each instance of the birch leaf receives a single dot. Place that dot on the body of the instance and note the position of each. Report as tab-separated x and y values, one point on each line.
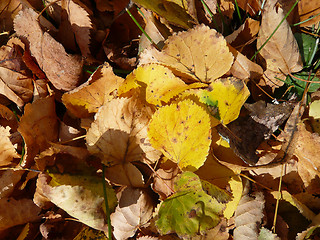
182	133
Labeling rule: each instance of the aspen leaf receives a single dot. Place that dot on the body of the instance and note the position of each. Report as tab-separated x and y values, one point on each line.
200	54
226	98
178	12
181	131
194	210
119	133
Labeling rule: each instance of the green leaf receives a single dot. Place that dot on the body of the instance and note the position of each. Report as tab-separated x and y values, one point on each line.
190	210
306	45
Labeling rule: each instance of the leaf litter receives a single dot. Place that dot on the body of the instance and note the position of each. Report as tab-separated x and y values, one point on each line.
200	137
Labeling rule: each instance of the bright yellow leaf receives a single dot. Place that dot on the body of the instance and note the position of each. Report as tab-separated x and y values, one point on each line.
226	98
160	84
182	132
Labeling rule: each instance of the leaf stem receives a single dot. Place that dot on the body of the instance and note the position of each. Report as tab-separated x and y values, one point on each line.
106	203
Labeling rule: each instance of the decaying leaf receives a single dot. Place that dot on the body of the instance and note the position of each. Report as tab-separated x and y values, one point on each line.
134	211
82	198
38	126
15	212
182	133
248	215
200	54
80	24
119	133
62	69
7	152
281	52
90	96
189	211
8	181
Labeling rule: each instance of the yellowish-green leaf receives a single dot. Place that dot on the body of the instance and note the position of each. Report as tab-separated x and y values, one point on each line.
225	99
178	12
182	132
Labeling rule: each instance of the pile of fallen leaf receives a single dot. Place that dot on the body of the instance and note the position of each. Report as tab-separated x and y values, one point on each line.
201	133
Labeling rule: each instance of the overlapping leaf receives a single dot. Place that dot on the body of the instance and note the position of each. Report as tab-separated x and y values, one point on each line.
182	132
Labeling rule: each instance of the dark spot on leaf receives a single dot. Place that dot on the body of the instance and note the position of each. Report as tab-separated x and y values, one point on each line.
192	213
174	140
142	140
199	121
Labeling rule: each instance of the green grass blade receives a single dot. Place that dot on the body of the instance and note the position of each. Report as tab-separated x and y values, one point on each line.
238	10
211	15
262	46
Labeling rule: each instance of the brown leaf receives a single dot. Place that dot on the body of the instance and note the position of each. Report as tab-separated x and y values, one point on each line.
248	216
125	174
281	52
7	151
306	149
243	68
90	96
62	69
119	133
15	212
80	24
38	126
134	211
15	86
8	10
8	181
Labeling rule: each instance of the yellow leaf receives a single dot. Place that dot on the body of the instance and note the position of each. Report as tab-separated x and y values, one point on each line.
160	83
200	54
178	12
182	133
226	98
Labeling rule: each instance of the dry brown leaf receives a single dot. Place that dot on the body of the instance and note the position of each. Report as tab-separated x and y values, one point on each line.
90	96
250	6
38	126
19	83
8	118
306	150
248	216
119	133
200	54
243	68
281	52
80	24
15	212
125	174
8	10
62	69
8	181
7	151
134	211
164	180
